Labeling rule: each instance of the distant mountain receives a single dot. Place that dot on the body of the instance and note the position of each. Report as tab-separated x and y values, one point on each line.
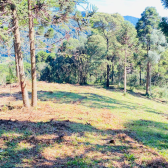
131	19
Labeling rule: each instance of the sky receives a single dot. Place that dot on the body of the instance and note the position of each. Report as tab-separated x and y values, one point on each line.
128	7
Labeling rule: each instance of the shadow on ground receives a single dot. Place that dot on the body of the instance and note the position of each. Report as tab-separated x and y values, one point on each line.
42	135
92	100
87	99
150	133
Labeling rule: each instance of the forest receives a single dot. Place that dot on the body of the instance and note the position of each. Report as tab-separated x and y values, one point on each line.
98	86
69	46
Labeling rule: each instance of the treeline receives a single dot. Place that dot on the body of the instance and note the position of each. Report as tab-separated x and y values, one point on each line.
115	53
107	50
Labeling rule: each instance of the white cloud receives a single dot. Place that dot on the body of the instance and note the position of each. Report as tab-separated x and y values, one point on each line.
128	7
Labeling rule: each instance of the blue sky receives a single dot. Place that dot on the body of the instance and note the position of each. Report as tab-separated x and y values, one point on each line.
128	7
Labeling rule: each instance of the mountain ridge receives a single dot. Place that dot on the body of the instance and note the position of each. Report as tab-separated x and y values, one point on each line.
131	19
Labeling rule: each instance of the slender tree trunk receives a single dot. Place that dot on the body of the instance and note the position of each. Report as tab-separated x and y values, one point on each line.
148	78
125	72
108	72
140	76
119	75
108	67
16	61
20	60
33	58
148	72
112	73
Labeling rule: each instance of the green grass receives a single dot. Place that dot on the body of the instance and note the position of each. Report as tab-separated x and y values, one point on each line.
89	117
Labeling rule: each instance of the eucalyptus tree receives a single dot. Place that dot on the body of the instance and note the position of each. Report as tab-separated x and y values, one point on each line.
106	25
127	39
149	20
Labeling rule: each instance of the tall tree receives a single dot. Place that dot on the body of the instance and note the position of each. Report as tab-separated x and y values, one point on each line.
20	57
149	20
127	38
106	25
158	45
10	7
32	54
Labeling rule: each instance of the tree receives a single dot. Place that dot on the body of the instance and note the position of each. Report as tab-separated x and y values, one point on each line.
149	20
105	25
41	7
20	57
165	3
164	25
127	38
158	44
7	7
139	58
32	54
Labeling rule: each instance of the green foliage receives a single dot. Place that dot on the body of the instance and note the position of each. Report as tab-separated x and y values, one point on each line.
160	92
10	78
132	81
129	157
62	69
50	33
165	3
164	25
40	30
158	44
41	56
127	35
27	68
149	20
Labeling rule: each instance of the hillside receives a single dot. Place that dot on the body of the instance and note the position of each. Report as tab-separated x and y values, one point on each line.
131	19
80	127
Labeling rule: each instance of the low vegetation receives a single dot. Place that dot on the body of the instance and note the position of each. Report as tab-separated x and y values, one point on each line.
82	126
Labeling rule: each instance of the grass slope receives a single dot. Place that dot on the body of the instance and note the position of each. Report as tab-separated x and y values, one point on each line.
82	126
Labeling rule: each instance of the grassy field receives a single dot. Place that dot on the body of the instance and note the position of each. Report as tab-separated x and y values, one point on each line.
82	126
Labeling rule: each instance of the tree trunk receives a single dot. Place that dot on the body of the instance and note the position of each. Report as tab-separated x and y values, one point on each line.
20	61
108	71
112	73
108	67
140	76
148	78
148	71
16	61
125	72
33	58
119	75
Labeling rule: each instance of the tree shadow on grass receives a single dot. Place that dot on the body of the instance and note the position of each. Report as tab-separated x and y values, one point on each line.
16	95
15	133
24	142
151	133
91	100
86	99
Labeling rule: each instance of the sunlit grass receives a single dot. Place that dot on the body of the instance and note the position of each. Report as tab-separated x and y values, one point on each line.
92	117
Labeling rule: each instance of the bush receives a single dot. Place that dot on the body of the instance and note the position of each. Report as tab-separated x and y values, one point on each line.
160	92
132	82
